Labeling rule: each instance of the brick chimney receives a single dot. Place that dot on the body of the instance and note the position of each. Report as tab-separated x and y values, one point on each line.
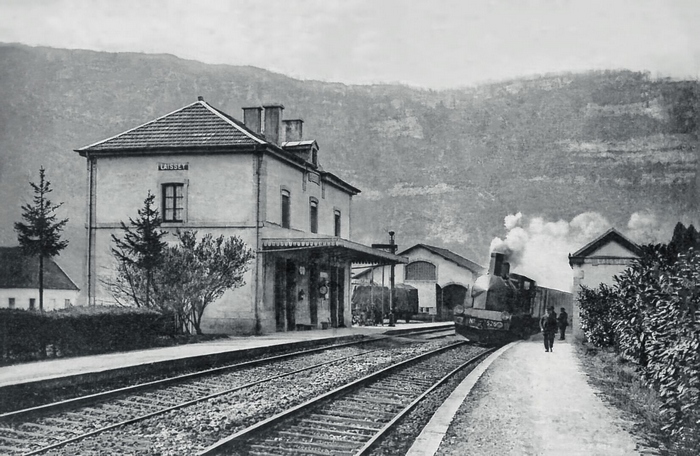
273	123
252	118
293	129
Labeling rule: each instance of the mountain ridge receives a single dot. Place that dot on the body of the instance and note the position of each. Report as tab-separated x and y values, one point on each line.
437	166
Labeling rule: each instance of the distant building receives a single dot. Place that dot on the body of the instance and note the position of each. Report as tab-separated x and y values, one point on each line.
597	262
258	179
443	278
19	282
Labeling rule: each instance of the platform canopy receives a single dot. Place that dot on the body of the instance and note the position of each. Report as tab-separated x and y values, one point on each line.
336	247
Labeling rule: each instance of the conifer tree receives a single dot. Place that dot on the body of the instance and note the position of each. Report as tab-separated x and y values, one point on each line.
140	251
40	233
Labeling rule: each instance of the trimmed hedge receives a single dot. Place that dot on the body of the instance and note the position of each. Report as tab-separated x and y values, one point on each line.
27	336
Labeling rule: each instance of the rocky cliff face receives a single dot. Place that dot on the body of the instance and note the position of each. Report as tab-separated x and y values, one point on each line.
440	167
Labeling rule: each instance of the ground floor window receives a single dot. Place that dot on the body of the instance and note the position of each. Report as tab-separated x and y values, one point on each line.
11	303
32	303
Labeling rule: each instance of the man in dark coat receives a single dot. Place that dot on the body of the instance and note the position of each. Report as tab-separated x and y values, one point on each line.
548	325
563	320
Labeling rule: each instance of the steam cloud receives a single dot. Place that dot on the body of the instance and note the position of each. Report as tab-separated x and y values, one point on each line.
540	249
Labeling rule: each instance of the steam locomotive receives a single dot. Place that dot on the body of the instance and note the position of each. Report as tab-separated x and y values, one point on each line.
504	307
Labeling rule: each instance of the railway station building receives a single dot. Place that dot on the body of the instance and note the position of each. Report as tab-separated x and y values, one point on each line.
258	179
598	262
443	278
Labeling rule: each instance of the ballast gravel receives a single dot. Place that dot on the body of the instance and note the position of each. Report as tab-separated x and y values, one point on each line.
189	430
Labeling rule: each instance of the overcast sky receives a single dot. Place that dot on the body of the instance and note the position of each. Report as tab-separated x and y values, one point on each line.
426	43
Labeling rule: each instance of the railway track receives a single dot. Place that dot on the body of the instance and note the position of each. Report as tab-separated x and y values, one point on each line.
43	428
47	428
352	419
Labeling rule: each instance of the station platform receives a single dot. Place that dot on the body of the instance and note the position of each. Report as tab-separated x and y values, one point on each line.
76	370
525	401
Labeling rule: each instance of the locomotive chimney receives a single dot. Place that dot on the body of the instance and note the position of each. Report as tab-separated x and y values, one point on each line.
505	269
496	264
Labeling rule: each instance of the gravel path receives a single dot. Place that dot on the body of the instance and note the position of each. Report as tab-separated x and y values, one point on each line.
534	403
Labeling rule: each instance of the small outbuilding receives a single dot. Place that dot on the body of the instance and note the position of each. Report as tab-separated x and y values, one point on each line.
19	282
598	262
443	278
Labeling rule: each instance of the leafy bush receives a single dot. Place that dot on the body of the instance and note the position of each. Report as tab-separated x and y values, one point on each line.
78	331
674	347
652	317
595	310
636	291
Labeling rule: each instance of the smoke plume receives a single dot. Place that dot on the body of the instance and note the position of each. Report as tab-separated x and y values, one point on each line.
540	249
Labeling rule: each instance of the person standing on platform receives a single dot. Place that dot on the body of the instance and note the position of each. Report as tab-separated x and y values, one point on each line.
563	320
548	325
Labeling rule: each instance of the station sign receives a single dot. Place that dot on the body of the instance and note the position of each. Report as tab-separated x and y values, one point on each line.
173	166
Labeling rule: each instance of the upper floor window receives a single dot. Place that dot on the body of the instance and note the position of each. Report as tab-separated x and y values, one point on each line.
285	209
173	203
421	270
336	219
313	215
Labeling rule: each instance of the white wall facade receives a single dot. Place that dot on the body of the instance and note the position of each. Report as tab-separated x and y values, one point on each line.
53	299
598	268
220	197
302	186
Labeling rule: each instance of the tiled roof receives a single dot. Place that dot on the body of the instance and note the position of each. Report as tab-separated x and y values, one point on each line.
612	235
451	256
20	271
197	125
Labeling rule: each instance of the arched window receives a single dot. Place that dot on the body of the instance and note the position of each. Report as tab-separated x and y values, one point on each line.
336	222
421	270
313	214
285	209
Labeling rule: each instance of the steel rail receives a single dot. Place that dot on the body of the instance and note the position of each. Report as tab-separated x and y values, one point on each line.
262	426
390	425
97	397
207	397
